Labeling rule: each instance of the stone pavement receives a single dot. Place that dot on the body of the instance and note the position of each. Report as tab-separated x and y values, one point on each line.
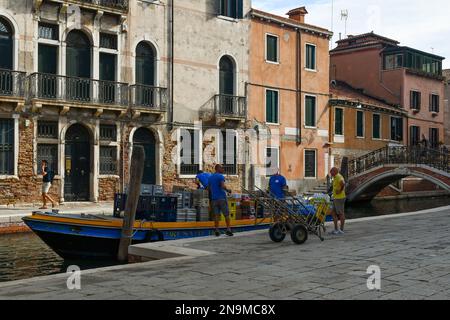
413	252
11	214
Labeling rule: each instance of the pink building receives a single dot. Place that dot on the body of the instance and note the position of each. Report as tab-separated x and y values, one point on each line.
399	75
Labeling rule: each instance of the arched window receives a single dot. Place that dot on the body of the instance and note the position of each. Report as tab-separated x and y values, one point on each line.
145	64
6	45
226	81
78	55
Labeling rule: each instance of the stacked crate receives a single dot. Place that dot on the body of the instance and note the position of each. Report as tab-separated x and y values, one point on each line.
150	207
233	204
246	209
200	201
186	215
184	199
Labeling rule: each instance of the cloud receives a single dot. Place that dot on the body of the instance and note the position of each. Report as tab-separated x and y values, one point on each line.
423	25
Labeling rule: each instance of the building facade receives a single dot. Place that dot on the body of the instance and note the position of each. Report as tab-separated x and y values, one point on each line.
447	108
288	97
82	83
399	75
361	123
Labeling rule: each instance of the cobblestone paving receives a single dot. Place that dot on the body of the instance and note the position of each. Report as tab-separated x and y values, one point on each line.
412	252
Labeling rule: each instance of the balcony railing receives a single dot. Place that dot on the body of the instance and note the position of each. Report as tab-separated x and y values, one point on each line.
73	89
121	5
12	83
148	97
230	106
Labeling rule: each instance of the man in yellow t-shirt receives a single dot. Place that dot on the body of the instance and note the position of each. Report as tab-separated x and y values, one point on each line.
339	198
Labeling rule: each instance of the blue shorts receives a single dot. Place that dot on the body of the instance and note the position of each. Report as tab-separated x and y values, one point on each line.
220	206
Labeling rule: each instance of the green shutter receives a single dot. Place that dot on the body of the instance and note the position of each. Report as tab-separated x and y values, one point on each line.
272	48
310	112
338	122
310	57
376	126
271	106
360	124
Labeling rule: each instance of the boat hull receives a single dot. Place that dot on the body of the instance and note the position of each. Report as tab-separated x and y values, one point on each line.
77	238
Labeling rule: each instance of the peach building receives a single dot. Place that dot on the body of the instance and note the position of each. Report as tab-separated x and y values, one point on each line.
400	75
360	123
447	107
288	96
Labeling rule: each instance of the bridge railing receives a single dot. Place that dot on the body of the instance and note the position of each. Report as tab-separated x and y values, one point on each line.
435	158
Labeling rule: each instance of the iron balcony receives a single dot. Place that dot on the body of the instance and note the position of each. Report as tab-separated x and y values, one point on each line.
148	98
12	83
230	107
52	87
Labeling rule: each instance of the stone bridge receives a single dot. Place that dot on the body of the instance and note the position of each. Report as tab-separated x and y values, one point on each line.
371	173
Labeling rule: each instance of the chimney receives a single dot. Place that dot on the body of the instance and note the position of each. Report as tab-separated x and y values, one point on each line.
298	14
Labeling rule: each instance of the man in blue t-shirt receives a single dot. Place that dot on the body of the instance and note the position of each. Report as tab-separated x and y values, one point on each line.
277	185
202	179
219	203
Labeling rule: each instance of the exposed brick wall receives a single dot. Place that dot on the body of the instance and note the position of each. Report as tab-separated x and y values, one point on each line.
107	188
28	188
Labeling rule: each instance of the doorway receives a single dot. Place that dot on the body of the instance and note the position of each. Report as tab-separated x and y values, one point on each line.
145	138
77	164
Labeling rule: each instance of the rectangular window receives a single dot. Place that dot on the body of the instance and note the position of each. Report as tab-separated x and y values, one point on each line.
47	129
228	151
272	103
339	121
310	111
393	61
434	137
47	64
434	103
310	164
108	132
232	8
414	135
396	129
272	161
376	126
108	160
108	41
6	147
310	57
47	152
189	151
415	99
271	48
360	124
48	31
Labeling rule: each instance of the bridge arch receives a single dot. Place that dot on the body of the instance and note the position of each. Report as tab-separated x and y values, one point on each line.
372	184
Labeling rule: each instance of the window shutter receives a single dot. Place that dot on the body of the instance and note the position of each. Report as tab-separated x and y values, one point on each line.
419	102
240	9
411	99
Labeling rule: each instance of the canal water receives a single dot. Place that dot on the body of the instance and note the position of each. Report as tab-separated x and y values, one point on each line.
25	255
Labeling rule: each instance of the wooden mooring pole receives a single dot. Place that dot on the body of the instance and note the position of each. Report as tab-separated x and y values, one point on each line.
134	191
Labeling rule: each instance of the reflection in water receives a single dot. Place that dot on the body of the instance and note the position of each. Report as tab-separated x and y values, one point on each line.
25	255
383	207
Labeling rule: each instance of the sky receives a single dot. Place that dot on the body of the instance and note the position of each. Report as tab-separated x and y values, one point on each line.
423	25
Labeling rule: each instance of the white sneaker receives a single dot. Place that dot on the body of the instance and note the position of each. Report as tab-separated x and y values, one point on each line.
334	232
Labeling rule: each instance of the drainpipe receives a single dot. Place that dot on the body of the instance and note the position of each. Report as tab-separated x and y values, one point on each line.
299	87
122	151
171	66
